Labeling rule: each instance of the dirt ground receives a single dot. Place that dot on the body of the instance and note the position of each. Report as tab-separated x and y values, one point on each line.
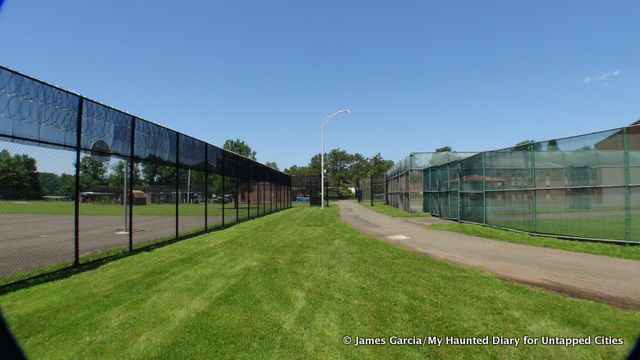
30	241
601	278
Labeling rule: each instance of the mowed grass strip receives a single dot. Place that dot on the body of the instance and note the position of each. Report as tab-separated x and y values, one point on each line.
292	285
590	247
393	211
43	207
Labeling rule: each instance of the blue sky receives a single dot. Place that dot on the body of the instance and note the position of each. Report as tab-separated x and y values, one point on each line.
475	75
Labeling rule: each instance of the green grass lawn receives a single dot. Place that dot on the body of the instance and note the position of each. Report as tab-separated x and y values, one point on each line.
620	251
393	211
590	226
302	204
157	209
292	285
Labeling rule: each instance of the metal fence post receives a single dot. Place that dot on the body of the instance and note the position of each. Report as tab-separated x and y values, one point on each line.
386	190
371	187
206	188
224	176
177	184
484	189
131	184
248	190
534	198
459	197
237	189
76	229
627	178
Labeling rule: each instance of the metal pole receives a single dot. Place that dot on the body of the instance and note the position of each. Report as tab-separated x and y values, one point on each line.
237	189
177	184
124	195
627	177
189	186
371	187
248	191
484	189
224	172
131	174
459	199
534	197
386	190
206	187
76	229
322	165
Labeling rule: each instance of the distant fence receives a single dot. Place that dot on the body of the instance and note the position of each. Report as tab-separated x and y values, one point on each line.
372	190
585	187
80	181
404	179
306	188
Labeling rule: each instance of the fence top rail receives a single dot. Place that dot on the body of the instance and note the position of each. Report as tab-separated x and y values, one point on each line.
398	169
71	92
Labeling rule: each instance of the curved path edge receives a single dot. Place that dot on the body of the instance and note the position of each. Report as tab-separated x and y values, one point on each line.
600	278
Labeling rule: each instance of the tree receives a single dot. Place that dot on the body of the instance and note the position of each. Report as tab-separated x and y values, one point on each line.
67	185
116	177
154	173
552	145
92	173
527	144
272	164
359	168
378	165
239	147
342	169
19	177
50	183
444	149
296	170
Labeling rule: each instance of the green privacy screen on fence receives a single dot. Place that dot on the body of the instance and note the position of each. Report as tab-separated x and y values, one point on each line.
585	186
405	182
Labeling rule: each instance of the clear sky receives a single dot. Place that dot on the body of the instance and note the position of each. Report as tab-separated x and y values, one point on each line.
475	75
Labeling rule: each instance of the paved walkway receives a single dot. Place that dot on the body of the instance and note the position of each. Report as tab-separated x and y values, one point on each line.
601	278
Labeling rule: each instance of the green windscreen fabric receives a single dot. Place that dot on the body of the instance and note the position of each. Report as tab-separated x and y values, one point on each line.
585	186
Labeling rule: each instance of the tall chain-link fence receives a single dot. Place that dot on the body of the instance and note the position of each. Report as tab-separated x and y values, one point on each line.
405	178
372	190
81	181
585	187
306	191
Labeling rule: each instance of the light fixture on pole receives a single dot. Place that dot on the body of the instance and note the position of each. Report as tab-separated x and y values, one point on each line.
322	124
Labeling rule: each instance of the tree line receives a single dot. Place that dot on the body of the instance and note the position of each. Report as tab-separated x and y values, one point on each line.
20	178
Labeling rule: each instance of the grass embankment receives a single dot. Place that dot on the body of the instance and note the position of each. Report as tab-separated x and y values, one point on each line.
292	285
393	211
614	250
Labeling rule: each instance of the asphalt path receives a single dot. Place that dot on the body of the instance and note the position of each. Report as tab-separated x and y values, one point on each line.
602	278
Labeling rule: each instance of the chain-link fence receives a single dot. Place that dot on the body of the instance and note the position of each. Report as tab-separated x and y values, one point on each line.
585	186
81	181
404	180
305	191
372	190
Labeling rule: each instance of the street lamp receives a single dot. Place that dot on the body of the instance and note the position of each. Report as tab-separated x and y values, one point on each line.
322	124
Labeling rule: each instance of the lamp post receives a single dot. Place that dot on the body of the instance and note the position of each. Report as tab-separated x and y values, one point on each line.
322	124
